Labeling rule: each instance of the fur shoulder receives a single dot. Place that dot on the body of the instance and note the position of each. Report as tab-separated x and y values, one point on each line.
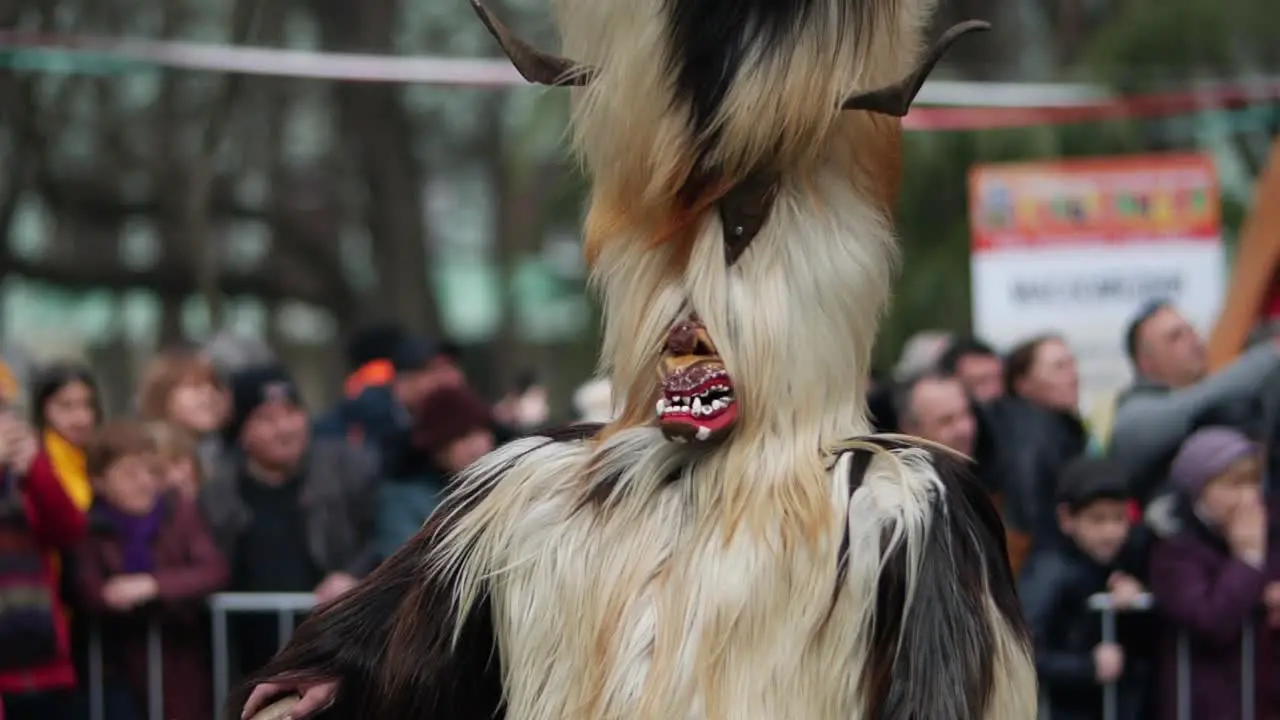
947	635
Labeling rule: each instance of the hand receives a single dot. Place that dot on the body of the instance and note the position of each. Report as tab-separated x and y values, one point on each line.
1271	595
333	586
315	699
18	445
125	592
1108	662
1247	532
1125	590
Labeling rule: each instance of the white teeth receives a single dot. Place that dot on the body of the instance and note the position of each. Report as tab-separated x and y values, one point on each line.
697	406
704	432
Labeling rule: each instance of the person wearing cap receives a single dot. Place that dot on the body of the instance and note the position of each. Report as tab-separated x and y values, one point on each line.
422	369
291	513
458	433
1214	565
366	396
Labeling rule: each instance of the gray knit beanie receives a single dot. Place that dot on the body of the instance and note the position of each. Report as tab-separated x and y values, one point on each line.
1207	454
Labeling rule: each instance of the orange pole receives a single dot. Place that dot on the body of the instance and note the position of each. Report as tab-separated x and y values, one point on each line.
1255	267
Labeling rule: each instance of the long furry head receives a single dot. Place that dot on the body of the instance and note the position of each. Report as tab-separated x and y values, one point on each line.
680	104
690	96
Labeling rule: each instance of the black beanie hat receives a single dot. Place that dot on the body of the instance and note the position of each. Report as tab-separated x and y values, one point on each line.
414	353
256	386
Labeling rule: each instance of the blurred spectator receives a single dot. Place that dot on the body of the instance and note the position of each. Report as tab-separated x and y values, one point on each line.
36	517
526	408
366	401
290	514
1173	394
422	369
180	469
935	407
369	358
231	352
977	366
594	401
1214	564
149	558
1072	660
454	430
181	387
66	410
881	392
1040	431
920	354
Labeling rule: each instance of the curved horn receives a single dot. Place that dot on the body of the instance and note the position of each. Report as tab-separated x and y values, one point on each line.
533	65
896	99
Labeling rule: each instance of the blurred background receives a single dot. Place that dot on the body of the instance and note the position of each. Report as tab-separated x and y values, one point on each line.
328	252
149	196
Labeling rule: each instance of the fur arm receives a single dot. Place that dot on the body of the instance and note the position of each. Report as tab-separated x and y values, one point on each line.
947	639
394	642
391	643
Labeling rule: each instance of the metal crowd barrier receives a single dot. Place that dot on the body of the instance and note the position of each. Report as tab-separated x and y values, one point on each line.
286	607
1102	603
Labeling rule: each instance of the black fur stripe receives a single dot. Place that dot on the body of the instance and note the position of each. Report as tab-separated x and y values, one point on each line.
938	663
390	640
711	41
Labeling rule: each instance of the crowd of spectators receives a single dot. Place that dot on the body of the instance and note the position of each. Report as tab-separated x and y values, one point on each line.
1166	519
222	480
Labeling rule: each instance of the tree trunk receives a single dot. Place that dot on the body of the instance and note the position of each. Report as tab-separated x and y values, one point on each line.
374	119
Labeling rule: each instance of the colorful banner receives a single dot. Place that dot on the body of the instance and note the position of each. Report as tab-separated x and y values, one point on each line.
1106	200
1078	247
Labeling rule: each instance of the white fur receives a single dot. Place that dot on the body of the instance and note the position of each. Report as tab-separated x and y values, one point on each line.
647	609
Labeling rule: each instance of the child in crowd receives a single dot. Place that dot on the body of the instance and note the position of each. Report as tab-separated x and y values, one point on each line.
148	558
180	469
1214	568
1073	661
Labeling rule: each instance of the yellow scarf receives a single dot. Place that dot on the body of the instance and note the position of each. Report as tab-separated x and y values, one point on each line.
68	464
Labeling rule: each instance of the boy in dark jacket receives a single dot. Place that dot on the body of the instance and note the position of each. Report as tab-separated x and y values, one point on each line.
1073	662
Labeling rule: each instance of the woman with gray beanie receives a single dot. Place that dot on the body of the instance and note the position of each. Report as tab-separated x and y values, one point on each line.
1214	567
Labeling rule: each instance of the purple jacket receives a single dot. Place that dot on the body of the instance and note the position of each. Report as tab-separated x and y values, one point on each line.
1202	590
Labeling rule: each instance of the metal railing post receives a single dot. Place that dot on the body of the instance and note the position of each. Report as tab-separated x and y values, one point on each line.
286	607
1102	603
1110	691
221	657
1184	676
284	628
1248	677
155	671
97	683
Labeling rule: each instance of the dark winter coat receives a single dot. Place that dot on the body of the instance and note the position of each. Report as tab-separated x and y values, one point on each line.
1055	590
188	568
1207	596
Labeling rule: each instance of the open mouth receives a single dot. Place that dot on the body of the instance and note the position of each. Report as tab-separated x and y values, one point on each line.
698	402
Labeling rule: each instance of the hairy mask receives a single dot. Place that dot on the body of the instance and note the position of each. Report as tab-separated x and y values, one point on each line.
697	393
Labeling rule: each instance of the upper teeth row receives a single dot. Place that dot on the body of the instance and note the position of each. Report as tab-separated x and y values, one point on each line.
697	407
709	390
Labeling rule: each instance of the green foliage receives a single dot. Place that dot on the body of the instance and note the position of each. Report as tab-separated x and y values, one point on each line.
1174	40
